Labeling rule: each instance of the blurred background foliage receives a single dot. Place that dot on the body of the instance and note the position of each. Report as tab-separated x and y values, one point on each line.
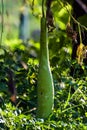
22	58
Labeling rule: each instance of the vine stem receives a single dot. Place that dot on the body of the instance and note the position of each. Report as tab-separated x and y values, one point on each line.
71	15
43	14
32	5
78	23
2	12
80	34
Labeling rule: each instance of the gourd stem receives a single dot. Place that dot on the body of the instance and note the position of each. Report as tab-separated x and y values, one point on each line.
43	15
80	33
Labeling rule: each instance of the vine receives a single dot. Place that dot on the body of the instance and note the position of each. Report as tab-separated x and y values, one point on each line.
2	12
66	7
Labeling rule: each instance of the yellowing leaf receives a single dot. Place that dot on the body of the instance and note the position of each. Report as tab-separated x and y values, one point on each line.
80	50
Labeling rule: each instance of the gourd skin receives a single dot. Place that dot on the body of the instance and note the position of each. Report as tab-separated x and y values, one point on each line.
45	80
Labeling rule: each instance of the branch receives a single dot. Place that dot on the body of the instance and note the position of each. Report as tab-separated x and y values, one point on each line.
84	7
76	20
84	27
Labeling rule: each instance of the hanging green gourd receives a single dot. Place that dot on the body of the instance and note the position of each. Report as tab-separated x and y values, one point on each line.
45	80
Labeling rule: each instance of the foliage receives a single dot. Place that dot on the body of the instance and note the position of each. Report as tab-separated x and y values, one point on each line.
70	111
70	96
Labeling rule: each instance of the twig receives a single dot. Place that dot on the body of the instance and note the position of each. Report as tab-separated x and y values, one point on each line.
84	27
31	110
75	19
84	7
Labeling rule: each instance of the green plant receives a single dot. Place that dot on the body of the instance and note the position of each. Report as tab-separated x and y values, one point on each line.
45	81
